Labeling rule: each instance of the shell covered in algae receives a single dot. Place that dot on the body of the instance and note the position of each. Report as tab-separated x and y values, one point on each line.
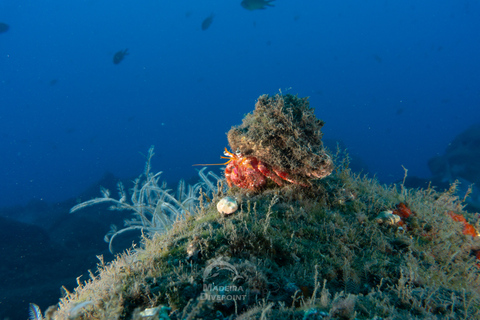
284	132
387	217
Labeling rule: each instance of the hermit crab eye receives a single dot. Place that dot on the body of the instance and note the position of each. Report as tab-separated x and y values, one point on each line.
238	153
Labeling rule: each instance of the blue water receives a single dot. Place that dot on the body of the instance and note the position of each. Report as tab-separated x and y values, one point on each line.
396	81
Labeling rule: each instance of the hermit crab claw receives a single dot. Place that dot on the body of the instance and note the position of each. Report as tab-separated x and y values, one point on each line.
228	155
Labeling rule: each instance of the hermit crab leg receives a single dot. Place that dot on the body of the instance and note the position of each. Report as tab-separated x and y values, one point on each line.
263	169
286	176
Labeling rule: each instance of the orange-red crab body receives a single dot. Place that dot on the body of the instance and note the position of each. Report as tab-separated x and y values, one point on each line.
250	173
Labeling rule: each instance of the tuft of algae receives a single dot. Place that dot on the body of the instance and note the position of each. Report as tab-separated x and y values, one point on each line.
297	253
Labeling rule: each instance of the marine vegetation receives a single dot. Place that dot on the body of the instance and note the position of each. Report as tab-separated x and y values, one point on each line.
256	4
119	56
298	252
154	207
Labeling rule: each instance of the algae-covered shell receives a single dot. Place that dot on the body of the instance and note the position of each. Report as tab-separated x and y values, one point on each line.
284	133
227	205
149	312
388	217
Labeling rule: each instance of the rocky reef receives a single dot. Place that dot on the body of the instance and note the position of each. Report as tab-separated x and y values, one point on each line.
346	247
461	162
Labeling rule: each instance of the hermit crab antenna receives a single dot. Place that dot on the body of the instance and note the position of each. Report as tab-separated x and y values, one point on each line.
230	156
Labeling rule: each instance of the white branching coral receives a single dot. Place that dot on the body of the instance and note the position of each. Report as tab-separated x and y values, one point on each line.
154	207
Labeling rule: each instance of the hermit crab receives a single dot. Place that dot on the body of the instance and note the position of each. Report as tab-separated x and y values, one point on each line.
280	141
251	173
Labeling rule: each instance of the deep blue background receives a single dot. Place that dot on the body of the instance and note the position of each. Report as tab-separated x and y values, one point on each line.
395	80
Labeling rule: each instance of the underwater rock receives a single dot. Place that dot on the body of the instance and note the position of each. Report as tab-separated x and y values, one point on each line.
322	254
309	253
284	133
227	205
461	158
461	162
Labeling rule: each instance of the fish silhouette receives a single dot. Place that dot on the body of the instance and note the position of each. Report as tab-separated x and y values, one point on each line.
207	22
119	56
4	27
256	4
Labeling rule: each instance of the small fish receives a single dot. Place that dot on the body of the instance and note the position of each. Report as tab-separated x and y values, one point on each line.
4	27
207	22
119	56
256	4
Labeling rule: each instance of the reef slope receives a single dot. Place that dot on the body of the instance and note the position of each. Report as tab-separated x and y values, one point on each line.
345	247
